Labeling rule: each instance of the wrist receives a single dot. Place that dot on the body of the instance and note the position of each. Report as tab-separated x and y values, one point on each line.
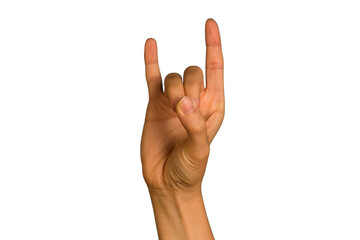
169	193
180	215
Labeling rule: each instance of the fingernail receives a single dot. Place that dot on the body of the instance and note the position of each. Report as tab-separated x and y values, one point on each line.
187	105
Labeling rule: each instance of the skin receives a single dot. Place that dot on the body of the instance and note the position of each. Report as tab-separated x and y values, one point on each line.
181	121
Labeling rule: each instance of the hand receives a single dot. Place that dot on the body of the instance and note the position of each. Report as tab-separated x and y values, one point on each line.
182	120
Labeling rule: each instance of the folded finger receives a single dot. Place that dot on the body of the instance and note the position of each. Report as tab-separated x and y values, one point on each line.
193	82
174	89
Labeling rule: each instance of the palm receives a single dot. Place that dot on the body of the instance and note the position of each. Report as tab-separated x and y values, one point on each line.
164	137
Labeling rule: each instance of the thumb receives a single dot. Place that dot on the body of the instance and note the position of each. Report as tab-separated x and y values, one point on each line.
197	144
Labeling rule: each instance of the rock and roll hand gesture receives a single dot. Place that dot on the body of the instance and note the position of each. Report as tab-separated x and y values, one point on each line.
182	118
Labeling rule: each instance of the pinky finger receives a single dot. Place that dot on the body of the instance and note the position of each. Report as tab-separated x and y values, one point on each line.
152	71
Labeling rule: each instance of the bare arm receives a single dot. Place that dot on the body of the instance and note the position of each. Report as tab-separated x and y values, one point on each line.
180	217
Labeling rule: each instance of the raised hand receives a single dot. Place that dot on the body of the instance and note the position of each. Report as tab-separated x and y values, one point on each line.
182	120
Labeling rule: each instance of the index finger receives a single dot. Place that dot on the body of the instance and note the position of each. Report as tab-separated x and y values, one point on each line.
214	57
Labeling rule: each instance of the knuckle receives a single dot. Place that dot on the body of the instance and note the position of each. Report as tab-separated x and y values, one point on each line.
205	151
193	70
173	75
146	176
200	153
153	79
193	86
196	155
215	65
199	126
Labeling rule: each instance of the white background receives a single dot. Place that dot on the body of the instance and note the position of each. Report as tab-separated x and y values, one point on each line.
284	165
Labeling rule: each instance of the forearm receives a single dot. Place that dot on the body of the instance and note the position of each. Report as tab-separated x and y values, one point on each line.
180	216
